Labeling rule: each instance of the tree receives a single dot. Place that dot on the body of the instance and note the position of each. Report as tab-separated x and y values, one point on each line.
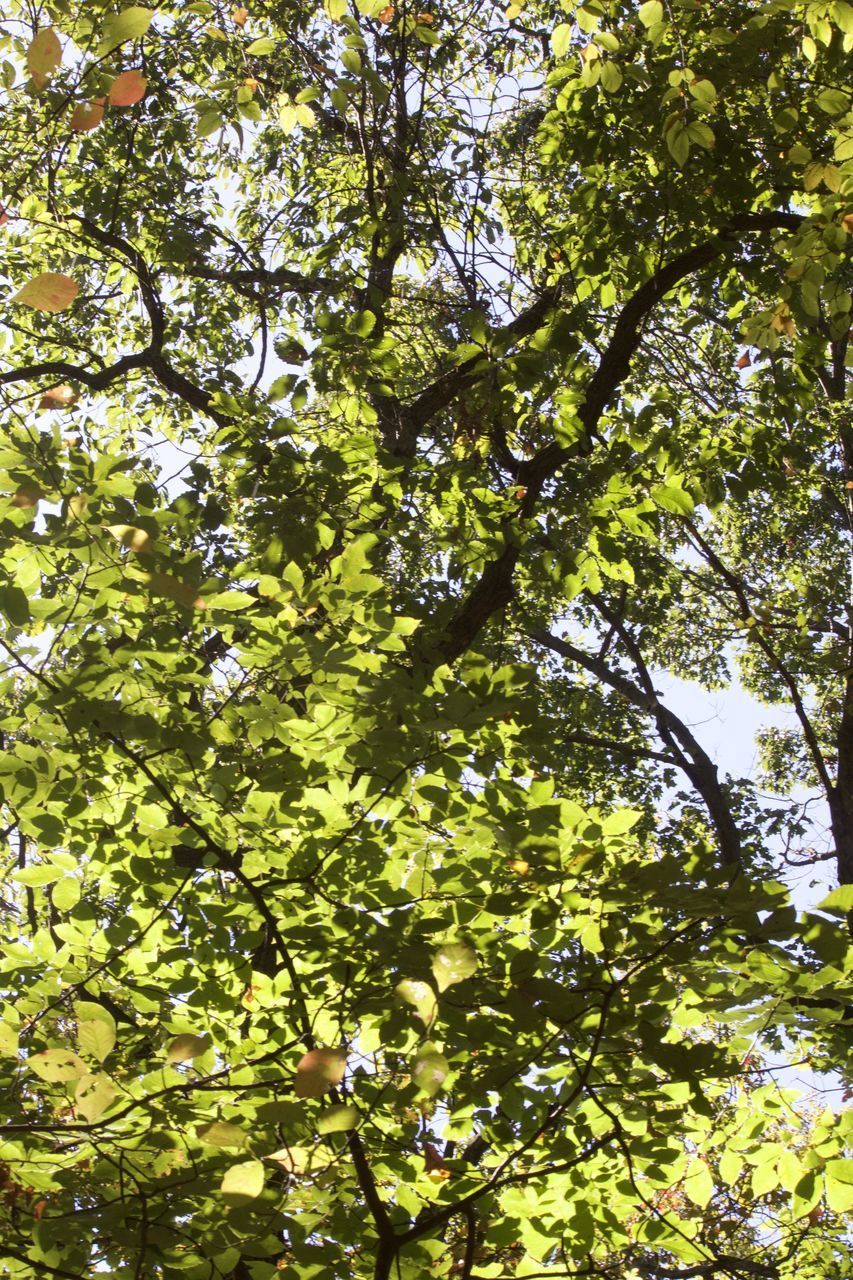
393	401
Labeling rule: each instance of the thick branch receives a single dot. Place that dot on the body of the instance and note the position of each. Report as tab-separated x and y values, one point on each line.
494	589
690	755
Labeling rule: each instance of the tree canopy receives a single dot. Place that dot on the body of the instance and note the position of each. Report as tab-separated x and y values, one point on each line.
396	403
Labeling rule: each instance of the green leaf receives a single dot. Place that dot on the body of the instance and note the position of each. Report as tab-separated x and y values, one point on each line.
422	998
452	963
242	1183
561	39
66	894
337	1119
429	1070
699	1183
678	142
94	1095
673	498
839	902
261	47
57	1065
130	24
651	13
219	1133
96	1038
9	1040
38	876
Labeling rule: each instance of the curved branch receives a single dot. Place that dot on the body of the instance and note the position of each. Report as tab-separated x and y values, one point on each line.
495	587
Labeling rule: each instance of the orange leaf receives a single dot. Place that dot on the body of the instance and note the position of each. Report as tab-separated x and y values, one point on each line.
847	222
425	19
51	291
127	89
87	116
61	397
743	362
318	1071
239	16
4	215
386	15
43	55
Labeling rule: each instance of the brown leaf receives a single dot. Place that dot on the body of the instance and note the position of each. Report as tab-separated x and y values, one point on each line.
434	1161
87	116
61	397
239	16
185	1047
386	15
318	1071
127	89
743	362
27	495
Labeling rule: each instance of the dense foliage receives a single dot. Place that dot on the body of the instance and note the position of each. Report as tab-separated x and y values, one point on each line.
393	401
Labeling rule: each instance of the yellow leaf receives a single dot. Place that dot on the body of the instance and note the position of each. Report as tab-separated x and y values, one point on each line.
43	55
130	536
51	291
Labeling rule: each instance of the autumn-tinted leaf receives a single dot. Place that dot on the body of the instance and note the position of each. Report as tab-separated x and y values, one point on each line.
44	54
87	116
127	89
60	397
318	1071
51	291
185	1047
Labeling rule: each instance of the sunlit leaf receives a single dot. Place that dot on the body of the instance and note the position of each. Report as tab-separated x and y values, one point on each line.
51	291
243	1182
127	89
337	1119
57	1065
429	1070
96	1038
422	998
131	537
130	24
44	54
93	1095
452	963
318	1071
